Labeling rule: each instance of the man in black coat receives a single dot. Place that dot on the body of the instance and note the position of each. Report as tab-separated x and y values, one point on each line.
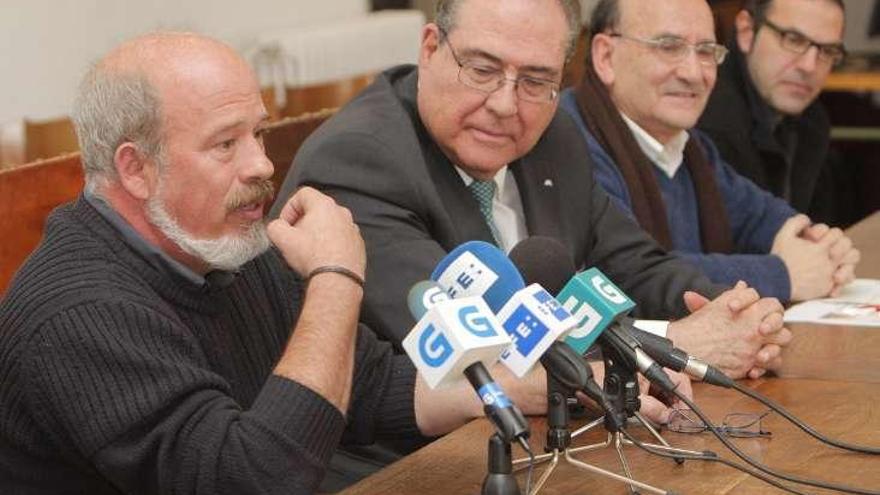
763	114
409	156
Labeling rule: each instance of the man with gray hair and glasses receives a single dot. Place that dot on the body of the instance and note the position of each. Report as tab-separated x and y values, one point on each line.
764	115
470	144
649	75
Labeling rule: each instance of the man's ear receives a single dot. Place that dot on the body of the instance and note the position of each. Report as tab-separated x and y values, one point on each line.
430	43
601	51
137	174
745	30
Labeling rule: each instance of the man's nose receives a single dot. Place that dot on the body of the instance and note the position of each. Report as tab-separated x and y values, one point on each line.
256	163
504	100
809	60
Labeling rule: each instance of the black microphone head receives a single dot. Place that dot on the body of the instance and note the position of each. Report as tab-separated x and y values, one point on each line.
545	261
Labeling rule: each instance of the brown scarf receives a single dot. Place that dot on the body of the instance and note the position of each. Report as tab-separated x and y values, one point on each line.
607	125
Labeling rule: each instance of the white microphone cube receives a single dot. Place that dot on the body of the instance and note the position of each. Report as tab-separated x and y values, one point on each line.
453	335
533	319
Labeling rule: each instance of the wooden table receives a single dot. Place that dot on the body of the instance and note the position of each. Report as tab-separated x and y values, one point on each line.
847	353
840	401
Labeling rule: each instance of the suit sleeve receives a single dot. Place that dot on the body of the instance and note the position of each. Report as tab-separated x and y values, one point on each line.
372	179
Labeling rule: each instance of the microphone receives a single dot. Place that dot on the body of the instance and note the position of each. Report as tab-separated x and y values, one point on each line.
477	268
530	315
669	356
533	318
454	337
596	303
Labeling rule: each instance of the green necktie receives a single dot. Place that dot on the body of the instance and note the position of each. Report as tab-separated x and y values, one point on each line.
483	191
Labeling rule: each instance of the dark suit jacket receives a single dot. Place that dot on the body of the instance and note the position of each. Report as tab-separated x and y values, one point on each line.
376	158
740	124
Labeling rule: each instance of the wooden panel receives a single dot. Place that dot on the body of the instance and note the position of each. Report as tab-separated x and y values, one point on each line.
283	139
321	96
27	194
49	139
853	81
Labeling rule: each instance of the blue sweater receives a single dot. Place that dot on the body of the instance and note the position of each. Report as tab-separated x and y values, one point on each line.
755	216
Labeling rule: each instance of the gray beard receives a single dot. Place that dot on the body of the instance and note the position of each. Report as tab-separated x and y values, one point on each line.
228	252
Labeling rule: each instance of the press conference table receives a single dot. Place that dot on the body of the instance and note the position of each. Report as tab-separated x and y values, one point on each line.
831	380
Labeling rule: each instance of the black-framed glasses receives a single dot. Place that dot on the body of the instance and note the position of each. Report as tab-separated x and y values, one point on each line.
488	78
797	42
673	49
737	425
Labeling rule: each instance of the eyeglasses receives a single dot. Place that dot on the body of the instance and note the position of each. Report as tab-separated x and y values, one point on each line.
737	425
488	79
673	49
796	42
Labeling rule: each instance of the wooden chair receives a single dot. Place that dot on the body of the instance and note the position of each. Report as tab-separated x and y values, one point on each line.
49	138
27	194
283	139
313	98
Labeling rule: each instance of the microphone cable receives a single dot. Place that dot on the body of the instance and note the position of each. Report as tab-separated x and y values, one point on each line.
761	467
662	350
710	456
800	424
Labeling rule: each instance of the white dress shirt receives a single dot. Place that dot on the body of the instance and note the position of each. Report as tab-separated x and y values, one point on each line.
668	157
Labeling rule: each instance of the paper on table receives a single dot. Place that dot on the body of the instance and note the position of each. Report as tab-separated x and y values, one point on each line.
857	305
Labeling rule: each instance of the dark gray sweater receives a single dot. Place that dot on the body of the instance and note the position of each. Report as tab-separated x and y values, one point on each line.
116	376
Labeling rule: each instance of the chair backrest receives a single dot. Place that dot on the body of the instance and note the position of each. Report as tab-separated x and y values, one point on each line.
27	194
332	94
49	138
283	139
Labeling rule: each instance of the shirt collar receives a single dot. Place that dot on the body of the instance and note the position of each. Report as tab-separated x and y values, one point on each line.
667	158
155	256
500	179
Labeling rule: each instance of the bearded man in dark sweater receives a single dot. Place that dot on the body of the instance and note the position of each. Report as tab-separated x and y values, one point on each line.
155	343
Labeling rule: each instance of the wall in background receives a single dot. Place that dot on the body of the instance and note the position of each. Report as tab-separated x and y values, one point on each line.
47	45
858	16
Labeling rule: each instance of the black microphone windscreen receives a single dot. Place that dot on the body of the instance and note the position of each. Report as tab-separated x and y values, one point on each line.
545	261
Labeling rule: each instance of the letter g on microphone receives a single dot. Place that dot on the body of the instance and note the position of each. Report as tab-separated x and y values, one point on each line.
608	290
434	347
475	322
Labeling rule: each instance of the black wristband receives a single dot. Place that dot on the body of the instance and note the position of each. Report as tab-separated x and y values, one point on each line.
341	270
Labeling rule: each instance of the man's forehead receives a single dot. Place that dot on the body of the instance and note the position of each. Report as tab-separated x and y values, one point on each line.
533	31
667	17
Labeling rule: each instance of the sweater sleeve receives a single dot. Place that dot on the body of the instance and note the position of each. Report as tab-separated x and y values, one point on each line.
126	392
382	393
766	273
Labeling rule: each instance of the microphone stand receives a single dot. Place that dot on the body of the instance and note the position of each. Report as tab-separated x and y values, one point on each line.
622	389
559	441
499	478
